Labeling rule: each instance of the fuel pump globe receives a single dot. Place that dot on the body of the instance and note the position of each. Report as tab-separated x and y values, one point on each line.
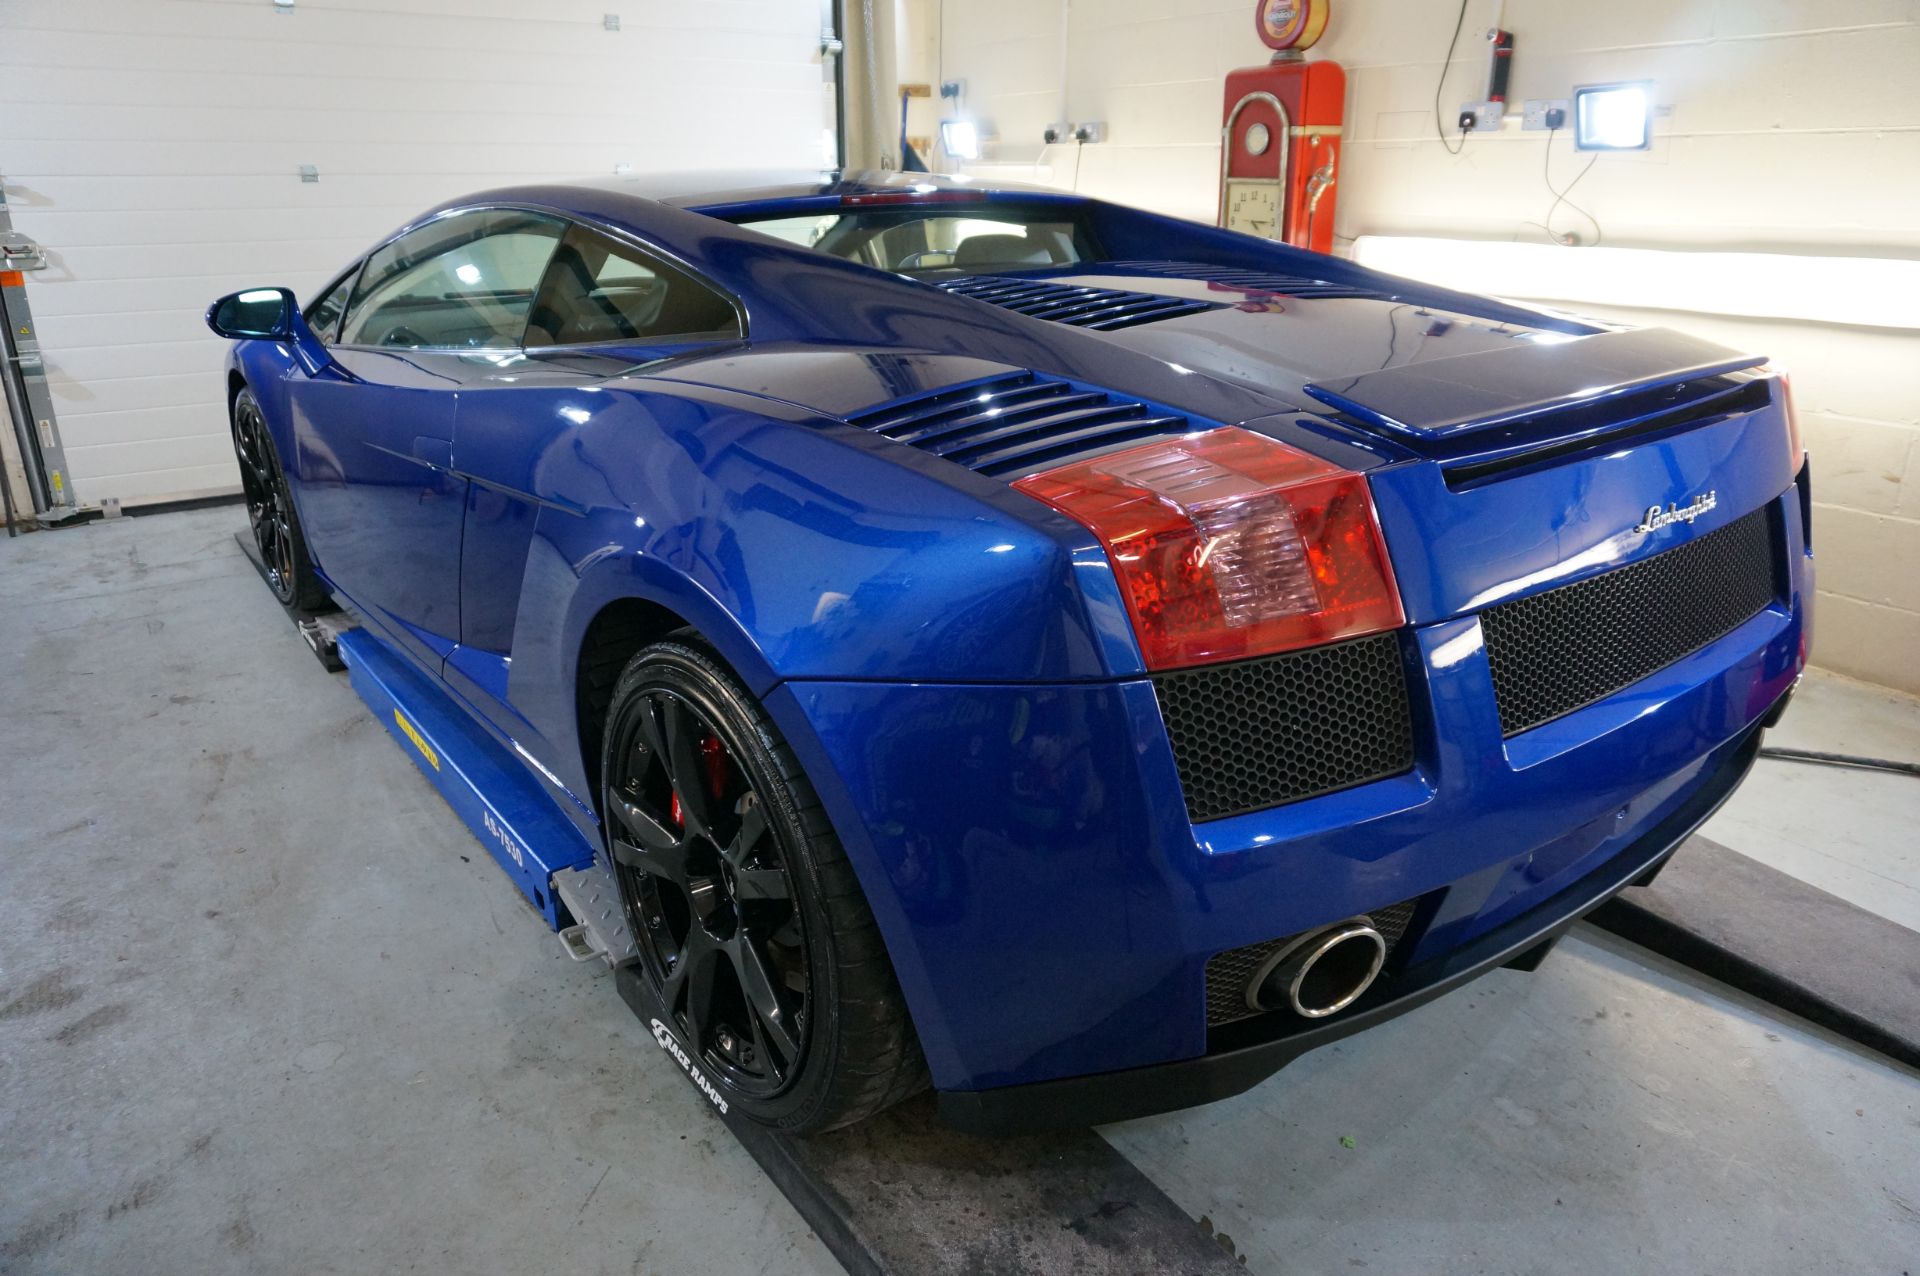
1291	24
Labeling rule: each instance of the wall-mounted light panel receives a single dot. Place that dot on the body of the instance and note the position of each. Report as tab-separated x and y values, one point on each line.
960	138
1613	117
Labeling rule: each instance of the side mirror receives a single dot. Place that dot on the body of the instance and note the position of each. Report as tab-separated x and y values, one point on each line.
256	314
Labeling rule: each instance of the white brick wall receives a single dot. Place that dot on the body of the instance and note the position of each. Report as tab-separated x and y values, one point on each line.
1794	128
152	146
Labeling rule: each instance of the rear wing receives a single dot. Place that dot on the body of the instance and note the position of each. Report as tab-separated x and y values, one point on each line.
1444	398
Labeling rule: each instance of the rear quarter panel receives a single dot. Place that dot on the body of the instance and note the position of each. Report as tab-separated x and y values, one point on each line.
801	549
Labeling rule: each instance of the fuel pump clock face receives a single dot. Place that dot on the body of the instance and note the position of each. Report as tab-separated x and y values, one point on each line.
1253	208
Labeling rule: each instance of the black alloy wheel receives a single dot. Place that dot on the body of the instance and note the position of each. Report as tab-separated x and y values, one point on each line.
752	931
722	938
267	502
276	528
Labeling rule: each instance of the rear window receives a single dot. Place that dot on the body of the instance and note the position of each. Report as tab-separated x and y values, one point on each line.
977	239
598	289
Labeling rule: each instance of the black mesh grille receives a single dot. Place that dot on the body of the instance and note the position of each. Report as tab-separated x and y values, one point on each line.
1564	649
1261	732
1228	973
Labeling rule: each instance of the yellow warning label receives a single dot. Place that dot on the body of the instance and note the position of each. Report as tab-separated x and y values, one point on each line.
419	741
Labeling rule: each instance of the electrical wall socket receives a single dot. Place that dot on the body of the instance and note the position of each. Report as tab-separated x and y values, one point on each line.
1535	117
1486	115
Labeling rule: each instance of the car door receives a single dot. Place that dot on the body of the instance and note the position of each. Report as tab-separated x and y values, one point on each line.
381	502
604	305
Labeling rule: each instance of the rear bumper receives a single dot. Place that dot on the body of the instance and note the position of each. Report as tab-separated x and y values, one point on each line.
1050	910
1137	1092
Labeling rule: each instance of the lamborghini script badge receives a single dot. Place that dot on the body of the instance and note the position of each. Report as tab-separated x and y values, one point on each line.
1657	518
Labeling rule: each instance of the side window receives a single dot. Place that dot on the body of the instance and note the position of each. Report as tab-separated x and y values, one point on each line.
323	316
599	289
461	282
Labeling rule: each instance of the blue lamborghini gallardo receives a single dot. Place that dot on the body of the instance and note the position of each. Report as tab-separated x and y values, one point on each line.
998	640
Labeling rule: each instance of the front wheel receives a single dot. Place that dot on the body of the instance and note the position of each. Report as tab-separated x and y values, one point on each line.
753	933
276	528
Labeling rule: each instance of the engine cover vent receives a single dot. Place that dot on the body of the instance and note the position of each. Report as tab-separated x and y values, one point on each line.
1101	309
1248	280
1017	423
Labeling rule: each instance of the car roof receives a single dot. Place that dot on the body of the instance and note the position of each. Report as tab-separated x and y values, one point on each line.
705	189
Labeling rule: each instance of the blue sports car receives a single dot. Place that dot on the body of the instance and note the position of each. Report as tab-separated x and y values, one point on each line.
991	638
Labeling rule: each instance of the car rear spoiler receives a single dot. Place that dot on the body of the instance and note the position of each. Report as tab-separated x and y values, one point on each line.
1527	380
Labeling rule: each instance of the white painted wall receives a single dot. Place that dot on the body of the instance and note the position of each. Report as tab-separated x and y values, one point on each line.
153	147
1794	127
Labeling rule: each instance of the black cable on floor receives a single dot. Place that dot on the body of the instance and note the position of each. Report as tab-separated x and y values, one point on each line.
1842	759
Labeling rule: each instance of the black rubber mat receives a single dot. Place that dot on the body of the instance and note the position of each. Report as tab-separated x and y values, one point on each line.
904	1193
1772	935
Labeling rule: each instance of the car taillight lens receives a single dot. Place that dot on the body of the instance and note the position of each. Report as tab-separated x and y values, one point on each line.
1230	544
1796	442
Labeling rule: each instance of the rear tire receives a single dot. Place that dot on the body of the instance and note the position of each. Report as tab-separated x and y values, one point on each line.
752	929
276	526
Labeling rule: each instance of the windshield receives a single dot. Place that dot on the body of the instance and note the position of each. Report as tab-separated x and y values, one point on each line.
978	240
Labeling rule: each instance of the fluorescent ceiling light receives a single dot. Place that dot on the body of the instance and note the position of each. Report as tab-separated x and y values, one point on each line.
1874	292
1613	117
960	138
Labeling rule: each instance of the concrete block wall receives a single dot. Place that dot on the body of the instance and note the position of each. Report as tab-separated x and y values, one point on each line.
1787	127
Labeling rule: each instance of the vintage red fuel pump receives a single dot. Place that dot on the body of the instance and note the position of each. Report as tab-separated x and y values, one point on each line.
1280	133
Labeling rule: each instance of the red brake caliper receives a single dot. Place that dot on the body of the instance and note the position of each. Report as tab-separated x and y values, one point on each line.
714	755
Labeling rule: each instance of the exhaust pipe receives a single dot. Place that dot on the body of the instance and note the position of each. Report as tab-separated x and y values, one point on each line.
1321	972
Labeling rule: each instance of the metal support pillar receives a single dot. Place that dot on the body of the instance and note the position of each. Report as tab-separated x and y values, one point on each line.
43	462
833	67
870	86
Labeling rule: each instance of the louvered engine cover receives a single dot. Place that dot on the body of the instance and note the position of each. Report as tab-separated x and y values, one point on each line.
1014	424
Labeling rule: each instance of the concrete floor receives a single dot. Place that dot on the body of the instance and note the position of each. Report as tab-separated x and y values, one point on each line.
265	1006
1849	832
1610	1113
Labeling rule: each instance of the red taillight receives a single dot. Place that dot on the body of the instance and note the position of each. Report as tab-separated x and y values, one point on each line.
1230	544
1796	442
